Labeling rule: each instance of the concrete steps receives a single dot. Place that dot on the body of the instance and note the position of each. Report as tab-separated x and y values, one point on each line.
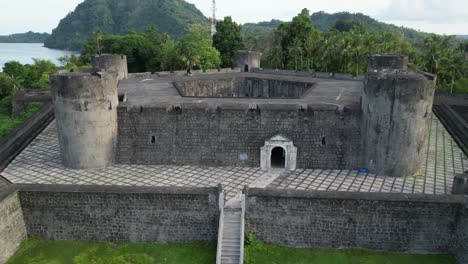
231	239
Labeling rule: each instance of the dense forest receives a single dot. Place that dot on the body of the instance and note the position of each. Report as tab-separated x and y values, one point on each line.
258	34
28	37
345	48
117	17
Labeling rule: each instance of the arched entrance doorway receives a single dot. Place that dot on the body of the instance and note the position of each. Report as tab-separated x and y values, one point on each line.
278	152
278	158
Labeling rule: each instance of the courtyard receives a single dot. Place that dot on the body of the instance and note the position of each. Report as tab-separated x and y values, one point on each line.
40	163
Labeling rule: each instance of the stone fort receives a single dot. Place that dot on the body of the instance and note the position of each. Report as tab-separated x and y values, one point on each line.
307	160
249	118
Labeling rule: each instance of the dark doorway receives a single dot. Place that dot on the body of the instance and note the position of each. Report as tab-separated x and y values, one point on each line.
278	158
246	68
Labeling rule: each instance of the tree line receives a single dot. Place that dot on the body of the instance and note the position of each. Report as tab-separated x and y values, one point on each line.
347	46
296	45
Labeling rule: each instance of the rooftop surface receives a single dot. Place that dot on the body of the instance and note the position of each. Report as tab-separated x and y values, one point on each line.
161	91
40	163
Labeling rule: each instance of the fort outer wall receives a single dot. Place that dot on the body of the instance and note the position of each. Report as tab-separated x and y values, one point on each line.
233	134
376	221
107	213
12	226
460	244
86	115
396	108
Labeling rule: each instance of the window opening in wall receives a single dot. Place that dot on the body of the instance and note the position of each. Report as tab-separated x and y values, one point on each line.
246	68
324	141
153	139
278	157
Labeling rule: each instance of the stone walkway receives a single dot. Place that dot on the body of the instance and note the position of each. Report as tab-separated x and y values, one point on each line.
40	163
443	161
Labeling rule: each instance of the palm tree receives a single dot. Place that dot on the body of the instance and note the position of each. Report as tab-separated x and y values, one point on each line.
453	64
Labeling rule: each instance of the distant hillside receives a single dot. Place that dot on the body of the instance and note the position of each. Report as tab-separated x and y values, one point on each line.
28	37
462	36
324	22
119	16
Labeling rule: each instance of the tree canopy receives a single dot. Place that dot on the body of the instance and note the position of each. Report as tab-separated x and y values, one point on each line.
228	40
297	45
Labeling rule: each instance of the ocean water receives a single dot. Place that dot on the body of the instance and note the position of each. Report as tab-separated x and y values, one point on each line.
25	52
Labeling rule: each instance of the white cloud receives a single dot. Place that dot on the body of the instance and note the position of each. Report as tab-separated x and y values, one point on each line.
440	16
427	10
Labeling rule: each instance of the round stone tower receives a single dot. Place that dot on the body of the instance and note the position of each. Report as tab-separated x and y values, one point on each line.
388	62
396	107
86	115
246	60
112	63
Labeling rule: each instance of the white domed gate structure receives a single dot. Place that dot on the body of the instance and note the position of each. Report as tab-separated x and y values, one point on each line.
278	152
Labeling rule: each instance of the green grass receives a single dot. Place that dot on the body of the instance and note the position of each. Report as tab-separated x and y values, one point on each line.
36	251
259	253
7	124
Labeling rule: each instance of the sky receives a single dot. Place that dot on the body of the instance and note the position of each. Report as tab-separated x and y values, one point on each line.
438	16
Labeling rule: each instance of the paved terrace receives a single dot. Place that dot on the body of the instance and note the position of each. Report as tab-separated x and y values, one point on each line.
161	91
40	163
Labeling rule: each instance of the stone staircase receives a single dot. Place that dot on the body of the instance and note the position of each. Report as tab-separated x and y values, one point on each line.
231	222
232	236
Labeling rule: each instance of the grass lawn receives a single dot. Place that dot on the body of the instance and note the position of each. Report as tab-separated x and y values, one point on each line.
259	253
57	252
7	124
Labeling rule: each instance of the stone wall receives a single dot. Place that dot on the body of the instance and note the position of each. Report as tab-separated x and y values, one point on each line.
243	87
389	222
232	134
22	99
12	227
13	143
460	245
126	214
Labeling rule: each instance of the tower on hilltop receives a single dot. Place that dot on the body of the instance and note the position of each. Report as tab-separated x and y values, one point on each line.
213	19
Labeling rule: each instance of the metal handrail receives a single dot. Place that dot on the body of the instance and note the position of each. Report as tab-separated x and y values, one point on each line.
220	226
242	232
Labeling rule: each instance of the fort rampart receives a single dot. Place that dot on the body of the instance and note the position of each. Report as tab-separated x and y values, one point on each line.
388	222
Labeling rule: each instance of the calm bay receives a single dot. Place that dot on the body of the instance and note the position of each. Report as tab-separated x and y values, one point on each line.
25	52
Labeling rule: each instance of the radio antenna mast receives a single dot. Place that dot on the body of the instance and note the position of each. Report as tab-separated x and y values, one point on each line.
213	19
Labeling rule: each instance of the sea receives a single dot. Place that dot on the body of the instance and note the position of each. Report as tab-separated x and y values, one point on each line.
25	52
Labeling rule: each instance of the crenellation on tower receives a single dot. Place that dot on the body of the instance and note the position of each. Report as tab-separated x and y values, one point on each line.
387	62
111	63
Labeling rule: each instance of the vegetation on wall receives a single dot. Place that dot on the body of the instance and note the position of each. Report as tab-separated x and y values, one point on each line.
117	17
7	123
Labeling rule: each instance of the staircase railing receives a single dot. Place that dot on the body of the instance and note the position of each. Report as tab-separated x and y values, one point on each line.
221	224
242	229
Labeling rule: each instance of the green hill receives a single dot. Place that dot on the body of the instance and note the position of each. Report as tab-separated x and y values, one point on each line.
117	17
324	22
28	37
